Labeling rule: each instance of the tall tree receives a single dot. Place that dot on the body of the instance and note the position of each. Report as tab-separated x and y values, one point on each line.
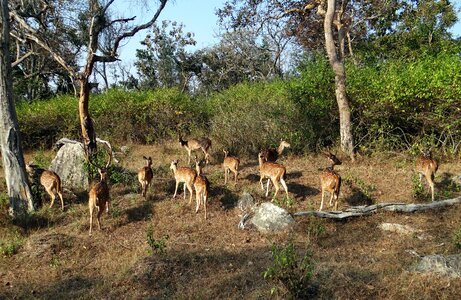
94	21
315	24
13	159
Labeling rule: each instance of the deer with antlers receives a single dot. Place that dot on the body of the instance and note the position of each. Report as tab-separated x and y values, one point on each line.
330	181
49	180
183	174
272	154
427	166
145	176
230	163
195	144
98	197
202	187
274	172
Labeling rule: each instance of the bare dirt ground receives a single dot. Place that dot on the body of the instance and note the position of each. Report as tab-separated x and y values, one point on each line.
213	259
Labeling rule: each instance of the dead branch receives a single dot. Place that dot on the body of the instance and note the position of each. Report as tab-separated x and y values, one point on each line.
358	211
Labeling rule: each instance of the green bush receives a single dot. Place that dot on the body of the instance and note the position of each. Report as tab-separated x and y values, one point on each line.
294	273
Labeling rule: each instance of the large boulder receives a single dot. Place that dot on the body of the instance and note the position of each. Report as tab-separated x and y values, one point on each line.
69	164
269	217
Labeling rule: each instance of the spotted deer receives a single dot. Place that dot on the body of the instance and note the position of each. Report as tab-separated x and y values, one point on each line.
49	180
274	172
99	197
202	188
330	181
195	144
145	176
183	174
230	163
427	166
272	154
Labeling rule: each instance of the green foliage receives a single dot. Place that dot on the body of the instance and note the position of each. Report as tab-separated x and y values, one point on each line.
155	246
456	238
10	246
418	190
294	273
315	228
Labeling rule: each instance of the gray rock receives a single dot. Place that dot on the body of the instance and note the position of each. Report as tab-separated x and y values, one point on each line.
269	217
449	265
246	202
69	164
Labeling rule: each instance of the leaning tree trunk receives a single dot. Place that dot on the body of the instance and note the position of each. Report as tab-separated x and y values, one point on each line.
337	64
13	159
86	122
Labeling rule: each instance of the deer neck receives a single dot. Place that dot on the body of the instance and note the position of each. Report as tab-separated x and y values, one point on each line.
280	148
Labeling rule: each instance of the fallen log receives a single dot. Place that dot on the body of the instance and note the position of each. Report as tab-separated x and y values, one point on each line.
358	211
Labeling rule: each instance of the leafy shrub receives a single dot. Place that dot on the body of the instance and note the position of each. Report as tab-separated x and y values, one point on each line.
155	246
11	245
295	274
456	239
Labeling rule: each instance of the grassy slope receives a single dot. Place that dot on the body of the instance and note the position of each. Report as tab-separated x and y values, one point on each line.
212	258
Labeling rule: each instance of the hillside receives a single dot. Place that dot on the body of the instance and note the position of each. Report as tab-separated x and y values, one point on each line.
213	259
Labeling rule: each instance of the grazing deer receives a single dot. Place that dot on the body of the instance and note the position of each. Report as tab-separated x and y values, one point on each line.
427	166
195	144
98	197
49	180
274	172
330	181
145	175
231	163
183	174
272	154
202	187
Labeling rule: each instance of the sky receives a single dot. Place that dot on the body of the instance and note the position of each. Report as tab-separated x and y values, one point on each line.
198	17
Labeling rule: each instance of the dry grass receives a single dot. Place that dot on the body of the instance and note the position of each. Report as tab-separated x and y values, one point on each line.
213	258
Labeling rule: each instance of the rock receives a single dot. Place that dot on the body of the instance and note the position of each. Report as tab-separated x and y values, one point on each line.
403	230
246	202
69	164
449	265
398	228
269	217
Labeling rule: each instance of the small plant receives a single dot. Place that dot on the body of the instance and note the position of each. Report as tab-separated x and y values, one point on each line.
418	188
156	246
10	247
315	228
286	201
295	274
456	239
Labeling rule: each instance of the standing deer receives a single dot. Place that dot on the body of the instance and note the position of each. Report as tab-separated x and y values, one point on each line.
98	197
195	144
183	174
49	180
202	187
427	166
274	172
330	181
230	163
145	175
272	154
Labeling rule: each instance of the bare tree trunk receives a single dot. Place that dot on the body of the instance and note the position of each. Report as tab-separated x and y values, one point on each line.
13	159
86	122
337	63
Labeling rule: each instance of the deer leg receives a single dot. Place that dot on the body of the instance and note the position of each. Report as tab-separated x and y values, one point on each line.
189	153
197	200
62	201
91	216
236	173
268	186
176	189
189	187
261	182
323	196
282	181
99	216
205	199
332	194
52	195
185	184
225	175
430	180
277	188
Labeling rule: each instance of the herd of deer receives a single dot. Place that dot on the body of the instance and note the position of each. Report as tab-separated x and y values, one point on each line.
99	198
